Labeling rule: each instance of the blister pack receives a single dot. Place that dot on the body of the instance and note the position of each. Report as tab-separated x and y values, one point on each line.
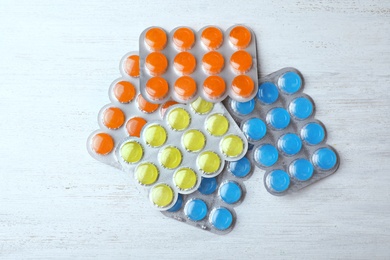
216	196
288	143
211	63
126	115
173	154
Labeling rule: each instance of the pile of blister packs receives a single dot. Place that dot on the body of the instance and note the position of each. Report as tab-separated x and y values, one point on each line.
190	121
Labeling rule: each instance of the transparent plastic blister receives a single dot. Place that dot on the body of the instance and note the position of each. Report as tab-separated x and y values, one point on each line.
210	63
182	148
125	116
211	207
288	143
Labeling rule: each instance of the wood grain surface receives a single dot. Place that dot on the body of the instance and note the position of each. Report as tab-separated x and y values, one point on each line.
57	59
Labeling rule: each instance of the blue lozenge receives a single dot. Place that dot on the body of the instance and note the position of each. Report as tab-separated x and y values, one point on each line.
324	158
266	155
268	93
290	144
195	209
254	129
243	108
290	82
313	133
178	204
278	118
230	192
278	181
301	108
221	218
301	169
208	185
240	168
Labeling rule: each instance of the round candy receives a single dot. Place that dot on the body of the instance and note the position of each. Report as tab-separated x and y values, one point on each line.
217	124
214	87
201	106
243	86
193	140
185	179
208	185
124	91
290	82
156	63
208	162
268	93
230	192
221	218
156	39
213	62
178	204
290	144
146	106
241	62
179	119
240	37
157	88
162	195
301	169
240	168
146	173
313	133
185	87
155	135
301	108
113	117
243	108
254	129
135	125
170	157
278	181
232	146
195	209
266	155
131	66
102	143
278	118
324	158
212	38
184	63
183	38
131	152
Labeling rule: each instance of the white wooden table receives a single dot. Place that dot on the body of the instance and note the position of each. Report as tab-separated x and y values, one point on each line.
57	59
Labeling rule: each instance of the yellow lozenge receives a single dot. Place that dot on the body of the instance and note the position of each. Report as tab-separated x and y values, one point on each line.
170	157
232	145
208	162
185	178
146	173
217	124
155	135
179	119
193	140
131	152
162	195
201	106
